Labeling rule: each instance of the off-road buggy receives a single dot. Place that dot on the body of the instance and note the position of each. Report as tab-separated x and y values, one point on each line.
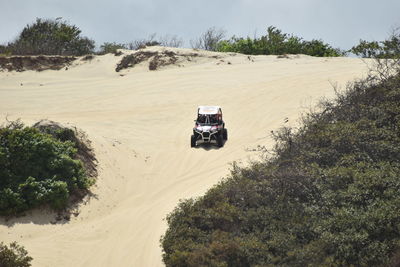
209	127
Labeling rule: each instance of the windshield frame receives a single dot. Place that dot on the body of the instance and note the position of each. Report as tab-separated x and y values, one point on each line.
207	121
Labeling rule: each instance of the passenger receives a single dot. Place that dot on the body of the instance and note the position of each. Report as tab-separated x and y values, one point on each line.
201	118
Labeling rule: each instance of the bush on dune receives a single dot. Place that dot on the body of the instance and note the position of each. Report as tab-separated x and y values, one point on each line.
108	48
328	196
49	37
389	48
14	256
209	39
154	40
37	169
275	42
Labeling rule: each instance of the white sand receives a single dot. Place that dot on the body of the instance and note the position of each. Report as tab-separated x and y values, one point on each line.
140	125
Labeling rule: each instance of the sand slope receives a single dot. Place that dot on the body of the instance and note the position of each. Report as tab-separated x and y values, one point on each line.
140	124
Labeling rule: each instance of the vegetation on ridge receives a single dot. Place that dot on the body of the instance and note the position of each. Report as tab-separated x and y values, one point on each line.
275	42
389	49
49	37
57	37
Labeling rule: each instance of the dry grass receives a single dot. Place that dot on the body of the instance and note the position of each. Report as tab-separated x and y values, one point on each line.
37	63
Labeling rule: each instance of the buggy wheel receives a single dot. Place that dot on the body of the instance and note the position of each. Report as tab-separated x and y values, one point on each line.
220	140
225	134
193	141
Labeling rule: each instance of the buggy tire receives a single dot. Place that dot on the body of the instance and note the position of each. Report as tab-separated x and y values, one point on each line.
225	134
220	140
193	141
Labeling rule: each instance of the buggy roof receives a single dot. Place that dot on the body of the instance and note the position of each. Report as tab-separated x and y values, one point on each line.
208	109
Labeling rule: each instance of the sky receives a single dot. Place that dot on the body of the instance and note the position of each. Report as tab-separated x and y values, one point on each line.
341	23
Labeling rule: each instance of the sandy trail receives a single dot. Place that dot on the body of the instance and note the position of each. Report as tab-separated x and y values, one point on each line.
140	125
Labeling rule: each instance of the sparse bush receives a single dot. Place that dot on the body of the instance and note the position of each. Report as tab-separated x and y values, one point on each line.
36	63
164	58
153	40
108	48
157	59
14	256
142	43
50	37
129	61
37	168
170	41
209	39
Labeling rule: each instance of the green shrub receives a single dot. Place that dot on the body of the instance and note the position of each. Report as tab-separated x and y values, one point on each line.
390	48
328	197
107	48
50	37
14	256
36	169
275	42
366	49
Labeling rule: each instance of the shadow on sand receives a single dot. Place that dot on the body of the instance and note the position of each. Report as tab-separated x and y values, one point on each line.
209	146
45	215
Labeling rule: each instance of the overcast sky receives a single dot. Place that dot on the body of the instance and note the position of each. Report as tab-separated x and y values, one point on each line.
340	23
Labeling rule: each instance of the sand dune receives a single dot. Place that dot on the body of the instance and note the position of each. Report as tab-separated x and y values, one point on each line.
140	123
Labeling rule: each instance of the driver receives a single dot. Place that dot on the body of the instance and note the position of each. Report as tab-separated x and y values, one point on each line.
201	118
